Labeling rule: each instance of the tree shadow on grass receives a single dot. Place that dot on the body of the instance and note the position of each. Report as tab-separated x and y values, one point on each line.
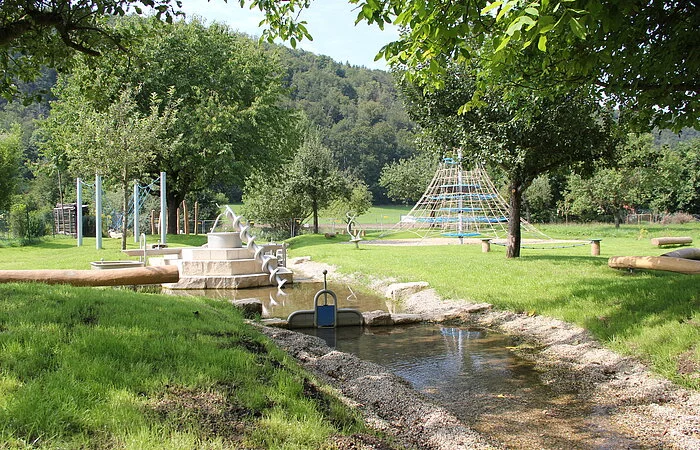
56	245
641	299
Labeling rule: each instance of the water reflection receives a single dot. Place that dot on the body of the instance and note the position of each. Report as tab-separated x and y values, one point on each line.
298	296
473	374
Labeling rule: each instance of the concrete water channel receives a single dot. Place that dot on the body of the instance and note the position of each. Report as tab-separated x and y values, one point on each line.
473	373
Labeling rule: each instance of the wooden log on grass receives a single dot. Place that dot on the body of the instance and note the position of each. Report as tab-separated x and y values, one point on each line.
660	241
112	277
667	263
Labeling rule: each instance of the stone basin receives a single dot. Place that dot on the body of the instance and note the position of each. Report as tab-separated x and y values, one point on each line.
224	239
103	265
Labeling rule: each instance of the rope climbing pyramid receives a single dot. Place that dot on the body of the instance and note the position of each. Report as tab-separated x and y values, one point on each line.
460	203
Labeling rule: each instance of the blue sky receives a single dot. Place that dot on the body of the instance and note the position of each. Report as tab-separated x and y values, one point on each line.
330	22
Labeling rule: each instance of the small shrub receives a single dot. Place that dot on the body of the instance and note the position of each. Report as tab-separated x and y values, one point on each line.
643	234
677	218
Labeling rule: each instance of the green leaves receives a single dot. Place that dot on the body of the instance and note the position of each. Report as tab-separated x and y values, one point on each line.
542	43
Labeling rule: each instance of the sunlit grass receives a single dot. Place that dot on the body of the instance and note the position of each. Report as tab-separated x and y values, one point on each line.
651	315
102	368
61	252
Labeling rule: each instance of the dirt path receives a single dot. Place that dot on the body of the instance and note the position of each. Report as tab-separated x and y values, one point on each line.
639	408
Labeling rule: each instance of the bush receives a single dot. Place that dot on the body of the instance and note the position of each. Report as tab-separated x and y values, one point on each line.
26	223
677	218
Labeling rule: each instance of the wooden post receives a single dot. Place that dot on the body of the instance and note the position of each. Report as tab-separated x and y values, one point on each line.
177	227
595	247
196	218
485	245
153	221
186	217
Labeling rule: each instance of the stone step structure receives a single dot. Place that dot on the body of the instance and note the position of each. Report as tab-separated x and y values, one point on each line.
235	267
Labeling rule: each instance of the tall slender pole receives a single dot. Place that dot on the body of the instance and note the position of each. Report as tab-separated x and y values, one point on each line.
79	211
196	217
137	234
163	209
98	212
186	218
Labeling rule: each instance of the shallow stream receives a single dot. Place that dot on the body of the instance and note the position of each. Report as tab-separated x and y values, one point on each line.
298	296
473	373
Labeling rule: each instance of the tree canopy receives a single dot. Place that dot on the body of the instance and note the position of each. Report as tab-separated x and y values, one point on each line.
38	33
641	55
230	116
10	154
118	143
525	136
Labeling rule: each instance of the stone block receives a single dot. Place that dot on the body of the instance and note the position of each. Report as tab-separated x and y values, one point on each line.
251	307
477	308
205	254
406	319
377	319
221	267
187	283
397	291
274	322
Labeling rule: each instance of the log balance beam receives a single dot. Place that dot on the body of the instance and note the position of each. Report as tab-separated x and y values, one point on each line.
661	241
667	263
114	277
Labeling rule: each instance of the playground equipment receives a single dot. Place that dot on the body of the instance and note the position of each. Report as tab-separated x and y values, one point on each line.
325	314
682	261
460	203
140	192
662	241
225	262
355	237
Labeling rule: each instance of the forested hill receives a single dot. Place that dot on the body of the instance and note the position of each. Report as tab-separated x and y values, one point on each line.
358	111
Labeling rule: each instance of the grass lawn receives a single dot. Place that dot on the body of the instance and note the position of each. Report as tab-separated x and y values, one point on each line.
654	316
60	252
111	368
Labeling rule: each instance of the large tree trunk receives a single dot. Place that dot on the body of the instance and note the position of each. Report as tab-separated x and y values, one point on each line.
173	201
514	236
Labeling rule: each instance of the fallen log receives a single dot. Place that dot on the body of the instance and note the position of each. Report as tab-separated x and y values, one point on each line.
670	264
113	277
661	241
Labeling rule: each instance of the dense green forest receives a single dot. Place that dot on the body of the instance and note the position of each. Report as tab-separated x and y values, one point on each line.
253	131
358	111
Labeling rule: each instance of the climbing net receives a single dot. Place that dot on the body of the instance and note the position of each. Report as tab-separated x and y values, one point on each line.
460	203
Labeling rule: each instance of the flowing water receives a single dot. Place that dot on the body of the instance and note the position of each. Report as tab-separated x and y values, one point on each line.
298	296
472	373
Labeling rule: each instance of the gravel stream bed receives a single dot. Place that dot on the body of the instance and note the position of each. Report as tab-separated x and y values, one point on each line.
645	410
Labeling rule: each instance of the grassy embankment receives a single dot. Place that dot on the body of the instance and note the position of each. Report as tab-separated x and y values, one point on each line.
654	316
111	368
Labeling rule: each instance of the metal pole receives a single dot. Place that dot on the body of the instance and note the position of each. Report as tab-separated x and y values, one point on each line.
163	209
136	211
98	212
79	212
